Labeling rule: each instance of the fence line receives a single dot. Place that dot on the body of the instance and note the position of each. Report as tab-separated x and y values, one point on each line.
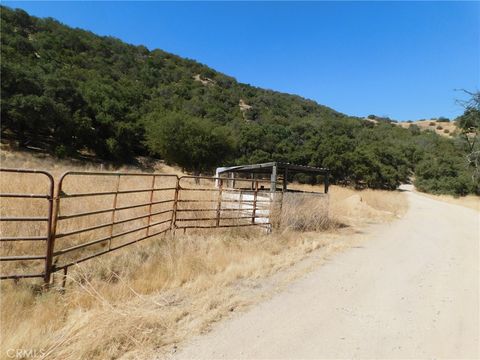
124	209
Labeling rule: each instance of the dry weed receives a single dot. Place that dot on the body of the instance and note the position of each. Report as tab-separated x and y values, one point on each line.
148	297
356	207
469	201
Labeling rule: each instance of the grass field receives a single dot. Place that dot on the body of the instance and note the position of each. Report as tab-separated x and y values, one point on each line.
148	297
469	201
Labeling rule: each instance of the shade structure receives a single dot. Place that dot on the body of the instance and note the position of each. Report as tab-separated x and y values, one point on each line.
274	170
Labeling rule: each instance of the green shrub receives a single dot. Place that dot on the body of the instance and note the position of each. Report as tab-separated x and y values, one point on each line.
443	119
443	173
61	151
304	179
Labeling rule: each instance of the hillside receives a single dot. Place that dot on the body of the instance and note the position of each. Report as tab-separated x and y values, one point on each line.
100	87
443	128
440	126
72	93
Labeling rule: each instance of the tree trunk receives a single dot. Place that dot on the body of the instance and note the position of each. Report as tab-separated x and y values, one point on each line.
196	173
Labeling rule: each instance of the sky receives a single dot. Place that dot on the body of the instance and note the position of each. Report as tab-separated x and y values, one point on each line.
404	60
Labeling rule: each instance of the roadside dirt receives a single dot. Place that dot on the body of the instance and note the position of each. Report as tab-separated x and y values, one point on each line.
410	291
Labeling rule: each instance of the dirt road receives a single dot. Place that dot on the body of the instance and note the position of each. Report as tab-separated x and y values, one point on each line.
412	291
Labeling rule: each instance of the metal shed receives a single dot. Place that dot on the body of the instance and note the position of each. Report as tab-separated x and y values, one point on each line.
277	171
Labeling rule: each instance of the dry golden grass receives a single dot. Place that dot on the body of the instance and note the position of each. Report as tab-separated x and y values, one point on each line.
356	207
33	160
447	129
150	296
306	212
469	201
142	300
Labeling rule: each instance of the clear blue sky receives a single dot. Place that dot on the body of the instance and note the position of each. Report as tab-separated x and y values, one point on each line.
403	60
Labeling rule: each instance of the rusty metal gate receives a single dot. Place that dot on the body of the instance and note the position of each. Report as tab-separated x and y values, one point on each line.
94	213
124	208
26	218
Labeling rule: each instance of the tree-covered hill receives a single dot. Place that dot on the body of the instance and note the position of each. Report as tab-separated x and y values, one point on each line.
87	91
71	91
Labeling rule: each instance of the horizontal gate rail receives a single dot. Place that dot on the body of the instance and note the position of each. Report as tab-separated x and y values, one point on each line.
66	250
22	257
26	196
205	210
22	276
97	212
223	218
241	204
223	226
23	238
34	218
114	192
225	201
57	236
78	261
